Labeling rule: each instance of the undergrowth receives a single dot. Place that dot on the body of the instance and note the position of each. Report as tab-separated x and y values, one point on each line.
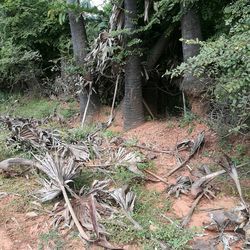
149	213
27	106
51	240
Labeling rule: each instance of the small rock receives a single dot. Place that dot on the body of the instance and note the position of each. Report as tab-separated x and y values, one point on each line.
153	228
31	214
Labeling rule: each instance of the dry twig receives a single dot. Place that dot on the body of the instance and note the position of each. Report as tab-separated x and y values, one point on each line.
197	144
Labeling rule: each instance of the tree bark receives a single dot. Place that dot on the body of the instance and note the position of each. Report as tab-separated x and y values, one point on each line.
191	85
78	36
191	30
133	106
158	49
80	50
156	52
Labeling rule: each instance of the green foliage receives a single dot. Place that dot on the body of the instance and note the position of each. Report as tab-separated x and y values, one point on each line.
29	39
145	165
225	60
123	176
147	213
187	119
110	134
51	240
6	152
131	142
25	106
78	134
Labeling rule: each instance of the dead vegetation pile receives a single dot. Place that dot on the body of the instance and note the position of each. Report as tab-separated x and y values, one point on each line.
60	162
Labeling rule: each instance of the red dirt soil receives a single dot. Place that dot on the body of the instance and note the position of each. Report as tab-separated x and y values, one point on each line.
19	232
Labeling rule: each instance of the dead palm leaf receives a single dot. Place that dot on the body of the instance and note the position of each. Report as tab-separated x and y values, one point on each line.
122	157
126	200
60	173
229	166
198	142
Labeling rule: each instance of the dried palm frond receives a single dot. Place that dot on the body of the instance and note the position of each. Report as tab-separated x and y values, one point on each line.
100	58
60	173
126	200
58	170
88	212
182	186
199	184
197	143
117	18
26	133
48	192
122	157
79	151
229	166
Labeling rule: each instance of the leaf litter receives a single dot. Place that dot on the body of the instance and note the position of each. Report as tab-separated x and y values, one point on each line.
86	210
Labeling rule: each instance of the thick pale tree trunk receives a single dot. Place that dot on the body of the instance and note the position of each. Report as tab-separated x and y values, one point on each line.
80	50
133	106
78	35
192	86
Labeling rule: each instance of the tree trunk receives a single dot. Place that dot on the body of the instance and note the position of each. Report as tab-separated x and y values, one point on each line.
192	86
133	106
158	49
78	35
156	52
80	50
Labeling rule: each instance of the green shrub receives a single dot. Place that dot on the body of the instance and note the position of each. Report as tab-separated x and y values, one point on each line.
225	61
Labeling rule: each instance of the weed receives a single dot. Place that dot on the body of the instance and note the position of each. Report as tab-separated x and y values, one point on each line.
50	240
110	134
26	106
225	145
147	213
20	202
85	179
70	111
8	151
78	134
187	119
145	165
206	153
123	176
176	237
131	142
241	149
190	129
5	152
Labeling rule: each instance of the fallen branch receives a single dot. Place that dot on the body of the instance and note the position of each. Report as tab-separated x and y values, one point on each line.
197	144
196	186
148	109
76	221
111	117
6	164
191	211
156	176
87	105
154	150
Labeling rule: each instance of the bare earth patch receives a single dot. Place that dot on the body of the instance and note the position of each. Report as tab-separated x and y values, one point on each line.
18	231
